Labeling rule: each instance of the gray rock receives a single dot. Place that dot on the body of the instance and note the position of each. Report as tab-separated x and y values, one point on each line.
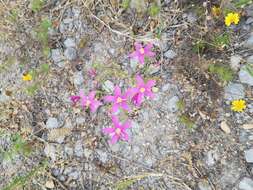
172	104
191	18
133	63
203	185
211	157
234	91
70	53
50	151
78	78
57	55
235	62
245	76
108	86
79	149
249	42
103	157
70	42
74	175
249	20
250	59
69	151
52	123
170	54
246	184
249	155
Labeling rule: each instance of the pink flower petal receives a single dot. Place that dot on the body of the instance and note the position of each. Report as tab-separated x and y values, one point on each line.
150	54
150	83
75	99
137	45
127	124
139	80
108	130
125	106
114	139
117	91
141	59
150	94
148	46
115	108
109	98
115	120
133	54
92	95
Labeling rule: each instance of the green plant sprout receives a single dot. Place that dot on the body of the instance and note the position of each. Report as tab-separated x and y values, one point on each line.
225	73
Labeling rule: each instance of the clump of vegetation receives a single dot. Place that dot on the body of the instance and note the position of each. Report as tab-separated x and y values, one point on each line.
18	146
225	73
36	5
199	46
21	181
154	10
42	35
249	69
186	120
221	41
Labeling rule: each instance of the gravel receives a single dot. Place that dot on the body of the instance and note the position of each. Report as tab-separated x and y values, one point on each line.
245	76
170	54
249	155
235	62
52	123
78	79
172	104
70	42
234	91
246	184
249	42
70	53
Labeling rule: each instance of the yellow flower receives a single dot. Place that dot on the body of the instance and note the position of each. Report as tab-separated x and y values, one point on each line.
232	18
238	105
216	11
27	77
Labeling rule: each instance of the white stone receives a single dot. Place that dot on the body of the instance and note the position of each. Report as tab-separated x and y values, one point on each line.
249	155
246	184
245	76
52	123
235	62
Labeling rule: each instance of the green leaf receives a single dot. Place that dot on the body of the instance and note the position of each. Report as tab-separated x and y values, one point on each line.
44	68
154	10
125	4
36	5
31	90
241	3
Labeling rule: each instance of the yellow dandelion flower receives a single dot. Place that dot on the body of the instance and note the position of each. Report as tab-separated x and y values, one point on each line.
27	77
238	105
216	11
232	18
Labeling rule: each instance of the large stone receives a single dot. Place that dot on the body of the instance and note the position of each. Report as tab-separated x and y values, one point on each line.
56	55
235	62
249	42
234	91
70	53
249	155
70	42
245	76
246	184
172	104
170	54
250	59
52	123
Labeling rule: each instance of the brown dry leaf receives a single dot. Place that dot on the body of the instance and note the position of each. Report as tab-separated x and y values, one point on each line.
55	134
224	126
248	126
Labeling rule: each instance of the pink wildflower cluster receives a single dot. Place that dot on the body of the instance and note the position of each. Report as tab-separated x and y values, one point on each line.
119	99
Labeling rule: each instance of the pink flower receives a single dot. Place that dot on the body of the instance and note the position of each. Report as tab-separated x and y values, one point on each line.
92	73
141	90
118	131
118	100
140	52
87	101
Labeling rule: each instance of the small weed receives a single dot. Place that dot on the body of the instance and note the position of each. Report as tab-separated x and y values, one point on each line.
241	3
125	4
125	183
154	10
225	73
18	146
199	47
184	119
36	5
20	181
181	105
221	41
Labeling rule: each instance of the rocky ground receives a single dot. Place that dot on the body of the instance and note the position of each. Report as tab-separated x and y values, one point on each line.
186	138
